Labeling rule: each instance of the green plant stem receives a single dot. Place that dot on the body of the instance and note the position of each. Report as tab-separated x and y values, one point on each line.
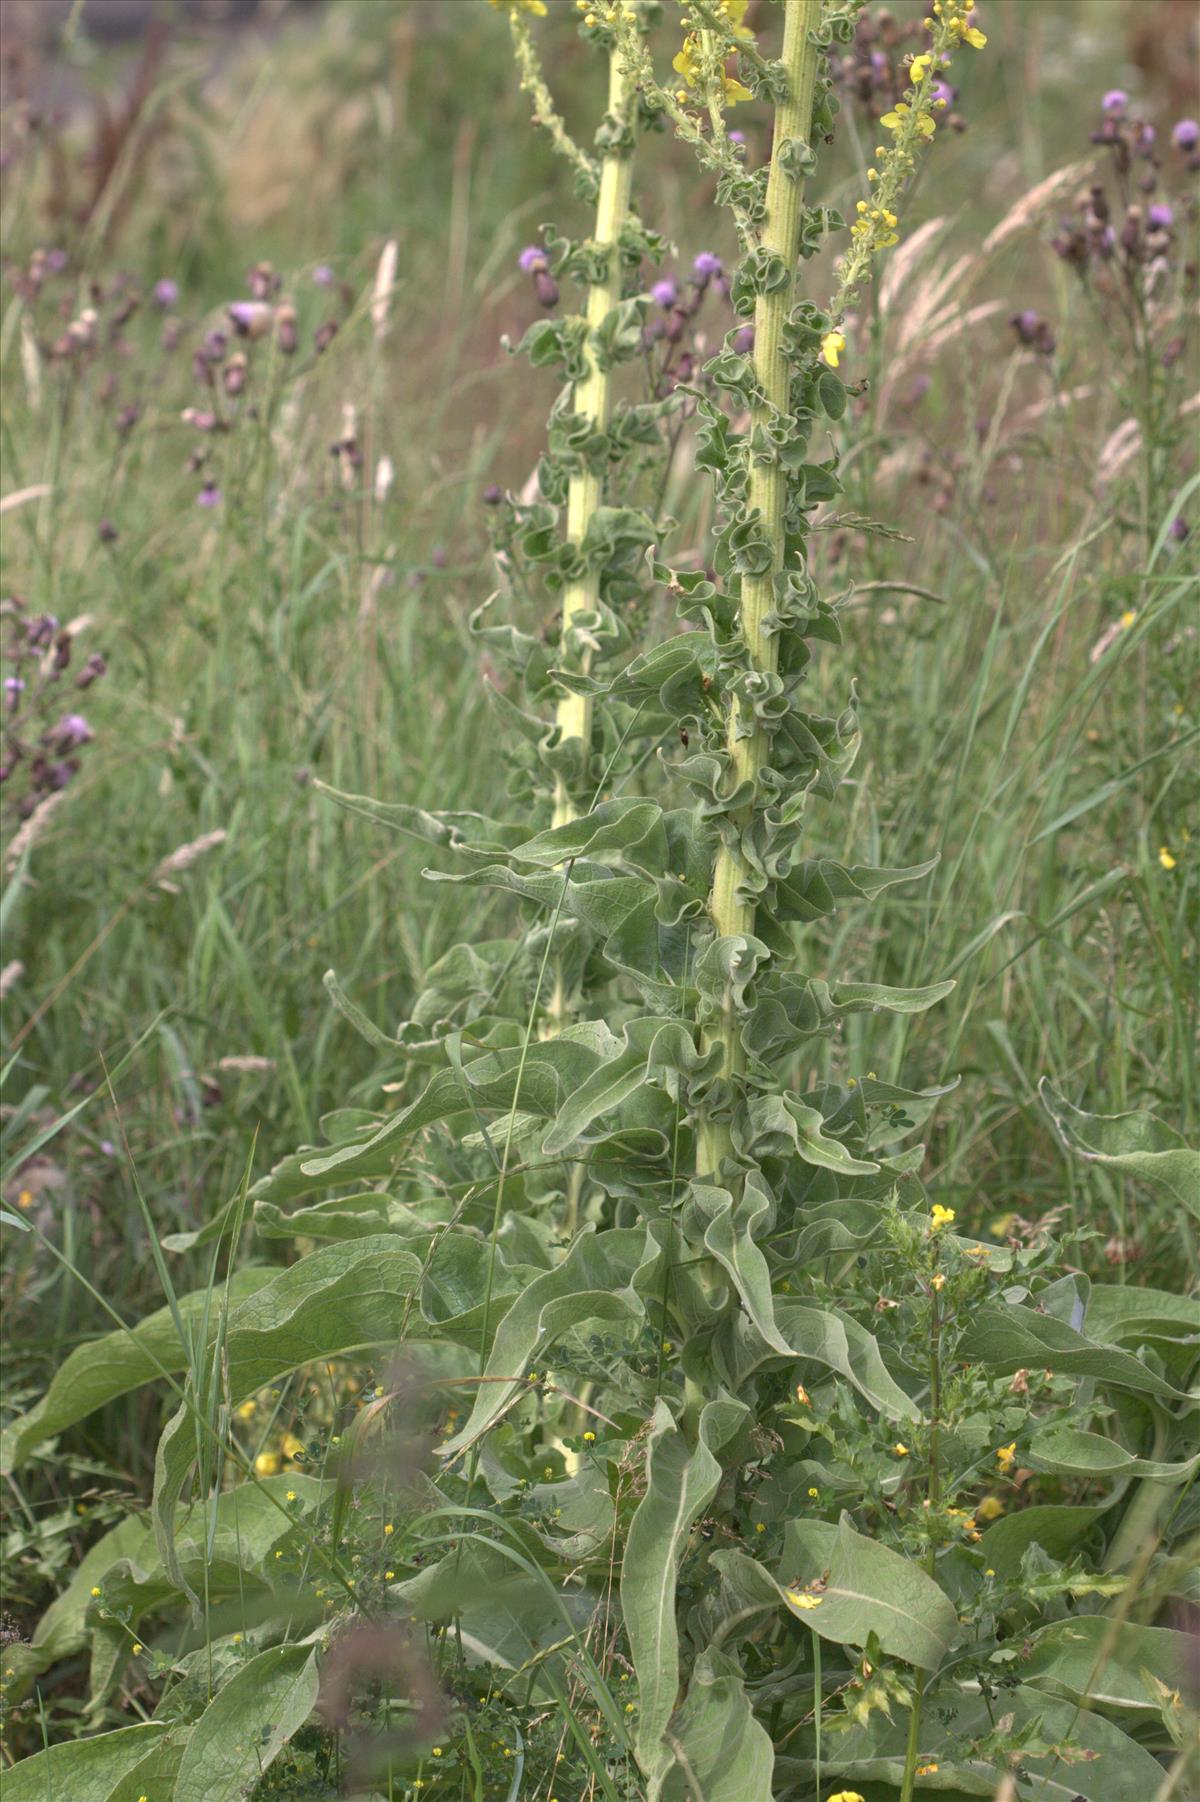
731	908
593	399
933	1493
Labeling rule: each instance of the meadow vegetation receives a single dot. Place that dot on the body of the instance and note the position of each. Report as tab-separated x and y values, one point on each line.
599	907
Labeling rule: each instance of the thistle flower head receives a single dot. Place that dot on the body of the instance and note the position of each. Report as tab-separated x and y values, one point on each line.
1115	101
531	258
664	293
166	293
706	266
1186	134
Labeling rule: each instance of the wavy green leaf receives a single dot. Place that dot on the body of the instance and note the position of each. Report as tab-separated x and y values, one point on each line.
846	1587
247	1724
1137	1143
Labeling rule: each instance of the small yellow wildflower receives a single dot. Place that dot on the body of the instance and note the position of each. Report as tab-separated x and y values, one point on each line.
137	1648
832	346
388	1575
799	1599
237	1639
990	1508
437	1751
25	1198
245	1410
926	1770
389	1529
1006	1455
631	1707
589	1438
939	1217
96	1590
846	1795
267	1464
813	1494
920	66
537	7
760	1526
292	1447
900	1449
802	1396
939	1281
1165	859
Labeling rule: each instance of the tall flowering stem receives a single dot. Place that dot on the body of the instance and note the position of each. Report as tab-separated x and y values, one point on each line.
733	905
593	402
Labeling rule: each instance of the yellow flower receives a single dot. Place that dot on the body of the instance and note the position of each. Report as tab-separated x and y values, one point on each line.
1128	618
25	1198
589	1438
734	91
846	1795
895	119
389	1529
292	1447
799	1599
1165	859
137	1647
919	67
926	1770
291	1495
939	1281
522	6
760	1526
939	1217
388	1575
245	1410
813	1494
437	1751
96	1591
832	346
267	1463
1006	1455
237	1639
990	1508
900	1449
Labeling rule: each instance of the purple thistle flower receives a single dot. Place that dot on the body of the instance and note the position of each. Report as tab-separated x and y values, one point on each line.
941	90
530	257
1115	101
1178	529
14	687
737	137
323	276
71	731
1186	135
166	293
706	265
251	318
209	495
664	293
56	260
1161	215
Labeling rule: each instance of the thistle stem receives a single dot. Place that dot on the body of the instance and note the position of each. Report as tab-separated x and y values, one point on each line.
731	910
593	399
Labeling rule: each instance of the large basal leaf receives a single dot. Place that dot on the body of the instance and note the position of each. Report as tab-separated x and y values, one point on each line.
1106	1662
1138	1144
1072	1452
84	1770
722	1753
680	1482
342	1298
1102	1763
846	1587
1009	1338
247	1724
98	1372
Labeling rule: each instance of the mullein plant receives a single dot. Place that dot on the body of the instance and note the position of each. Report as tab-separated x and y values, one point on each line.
726	1415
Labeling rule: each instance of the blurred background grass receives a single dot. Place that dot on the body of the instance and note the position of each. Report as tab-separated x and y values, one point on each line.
314	624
